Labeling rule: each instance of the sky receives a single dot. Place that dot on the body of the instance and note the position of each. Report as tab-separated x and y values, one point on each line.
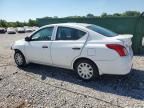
22	10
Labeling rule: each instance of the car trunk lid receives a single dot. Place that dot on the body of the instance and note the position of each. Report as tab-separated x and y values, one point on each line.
126	39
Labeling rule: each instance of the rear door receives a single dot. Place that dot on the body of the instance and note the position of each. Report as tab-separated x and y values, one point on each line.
67	45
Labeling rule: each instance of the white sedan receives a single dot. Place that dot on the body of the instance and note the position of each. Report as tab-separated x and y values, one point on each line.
11	30
88	49
20	30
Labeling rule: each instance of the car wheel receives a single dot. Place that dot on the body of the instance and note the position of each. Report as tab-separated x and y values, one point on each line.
19	59
86	70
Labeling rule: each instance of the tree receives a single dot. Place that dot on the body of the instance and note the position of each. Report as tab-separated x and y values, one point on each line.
117	14
90	15
127	13
47	17
32	22
11	24
3	23
104	15
18	24
55	17
131	13
74	17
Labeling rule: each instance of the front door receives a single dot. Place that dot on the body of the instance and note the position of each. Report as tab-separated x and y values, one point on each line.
38	49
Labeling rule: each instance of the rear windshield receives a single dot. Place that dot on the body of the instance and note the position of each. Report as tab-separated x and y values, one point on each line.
102	30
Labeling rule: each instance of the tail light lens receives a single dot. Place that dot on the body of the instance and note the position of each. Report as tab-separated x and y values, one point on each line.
121	50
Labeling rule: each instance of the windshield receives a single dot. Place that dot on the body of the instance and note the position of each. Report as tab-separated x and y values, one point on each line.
102	30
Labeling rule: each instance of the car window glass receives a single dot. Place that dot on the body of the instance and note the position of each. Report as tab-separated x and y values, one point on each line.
44	34
102	30
66	33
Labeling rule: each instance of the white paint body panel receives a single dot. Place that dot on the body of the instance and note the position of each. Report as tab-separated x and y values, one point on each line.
62	52
36	53
92	46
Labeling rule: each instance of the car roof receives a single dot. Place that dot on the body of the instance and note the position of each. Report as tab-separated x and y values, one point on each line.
70	24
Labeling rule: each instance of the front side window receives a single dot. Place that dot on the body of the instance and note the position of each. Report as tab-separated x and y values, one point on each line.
43	34
102	30
66	33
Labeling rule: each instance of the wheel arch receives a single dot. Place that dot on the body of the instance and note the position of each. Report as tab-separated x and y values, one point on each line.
83	58
18	50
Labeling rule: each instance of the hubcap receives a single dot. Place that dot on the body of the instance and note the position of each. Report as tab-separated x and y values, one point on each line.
18	59
85	70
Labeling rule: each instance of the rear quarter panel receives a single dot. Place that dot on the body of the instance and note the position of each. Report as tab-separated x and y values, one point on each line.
97	50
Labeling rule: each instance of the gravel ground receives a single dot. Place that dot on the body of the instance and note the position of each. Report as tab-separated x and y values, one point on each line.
38	86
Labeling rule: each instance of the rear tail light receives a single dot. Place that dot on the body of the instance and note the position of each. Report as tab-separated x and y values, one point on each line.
121	50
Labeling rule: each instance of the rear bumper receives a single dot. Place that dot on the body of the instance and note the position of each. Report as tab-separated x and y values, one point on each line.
2	31
11	32
121	66
21	31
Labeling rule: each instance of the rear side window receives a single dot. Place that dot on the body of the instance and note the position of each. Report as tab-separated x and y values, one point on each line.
102	30
66	33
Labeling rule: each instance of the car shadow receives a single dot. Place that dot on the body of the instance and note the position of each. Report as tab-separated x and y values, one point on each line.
131	85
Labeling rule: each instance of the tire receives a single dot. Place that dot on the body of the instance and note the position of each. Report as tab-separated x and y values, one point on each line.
86	70
19	59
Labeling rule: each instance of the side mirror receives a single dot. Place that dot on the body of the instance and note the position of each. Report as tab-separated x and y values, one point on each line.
27	39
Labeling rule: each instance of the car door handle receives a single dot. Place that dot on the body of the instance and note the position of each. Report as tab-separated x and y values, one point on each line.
76	48
44	46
